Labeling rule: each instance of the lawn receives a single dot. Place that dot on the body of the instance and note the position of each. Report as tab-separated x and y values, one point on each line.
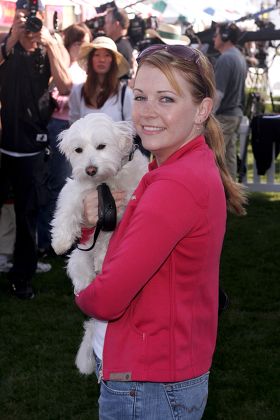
39	338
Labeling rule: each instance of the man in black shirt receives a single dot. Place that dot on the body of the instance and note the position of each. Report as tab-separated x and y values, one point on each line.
116	26
28	60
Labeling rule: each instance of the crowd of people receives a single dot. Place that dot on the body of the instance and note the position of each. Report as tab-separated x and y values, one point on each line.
158	291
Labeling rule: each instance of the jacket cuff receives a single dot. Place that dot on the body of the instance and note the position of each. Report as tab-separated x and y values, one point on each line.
86	233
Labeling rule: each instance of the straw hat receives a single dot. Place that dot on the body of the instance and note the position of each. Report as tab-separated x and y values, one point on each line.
169	34
103	42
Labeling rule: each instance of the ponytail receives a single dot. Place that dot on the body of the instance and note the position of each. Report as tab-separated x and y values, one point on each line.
199	74
235	193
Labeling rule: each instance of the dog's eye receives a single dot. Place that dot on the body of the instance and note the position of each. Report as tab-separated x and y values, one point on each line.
101	146
78	150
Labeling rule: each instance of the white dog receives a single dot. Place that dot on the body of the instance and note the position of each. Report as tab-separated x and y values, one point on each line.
99	151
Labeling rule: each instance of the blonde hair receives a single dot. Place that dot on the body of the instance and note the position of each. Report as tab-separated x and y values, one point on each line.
200	76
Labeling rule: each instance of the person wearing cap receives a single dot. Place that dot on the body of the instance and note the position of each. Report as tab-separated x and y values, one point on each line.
29	58
230	76
116	27
168	34
102	90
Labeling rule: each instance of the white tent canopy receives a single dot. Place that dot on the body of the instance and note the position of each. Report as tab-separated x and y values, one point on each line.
200	13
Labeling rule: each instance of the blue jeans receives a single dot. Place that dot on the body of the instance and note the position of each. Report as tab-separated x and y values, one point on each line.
184	400
59	169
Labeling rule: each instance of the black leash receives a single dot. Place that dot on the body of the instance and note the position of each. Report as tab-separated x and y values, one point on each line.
107	214
107	211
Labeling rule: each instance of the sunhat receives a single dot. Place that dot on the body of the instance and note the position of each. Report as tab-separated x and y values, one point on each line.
169	34
103	42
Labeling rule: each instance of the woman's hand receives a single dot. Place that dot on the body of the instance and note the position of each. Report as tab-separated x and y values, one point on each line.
91	206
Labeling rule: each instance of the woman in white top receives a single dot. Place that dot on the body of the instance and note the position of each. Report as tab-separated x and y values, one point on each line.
102	90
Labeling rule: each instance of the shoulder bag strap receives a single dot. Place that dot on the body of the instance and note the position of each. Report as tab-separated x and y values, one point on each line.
122	98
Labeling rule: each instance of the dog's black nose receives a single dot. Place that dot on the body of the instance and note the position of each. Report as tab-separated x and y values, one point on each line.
91	170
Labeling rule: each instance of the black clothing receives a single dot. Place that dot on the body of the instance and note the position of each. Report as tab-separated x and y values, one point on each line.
27	176
265	131
25	100
25	113
124	47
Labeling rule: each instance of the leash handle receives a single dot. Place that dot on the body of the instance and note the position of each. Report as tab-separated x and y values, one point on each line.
107	213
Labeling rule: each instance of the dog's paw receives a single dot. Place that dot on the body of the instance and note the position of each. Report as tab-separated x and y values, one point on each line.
80	269
85	362
61	246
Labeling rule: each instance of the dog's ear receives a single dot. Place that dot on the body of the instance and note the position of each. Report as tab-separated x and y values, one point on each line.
124	131
62	141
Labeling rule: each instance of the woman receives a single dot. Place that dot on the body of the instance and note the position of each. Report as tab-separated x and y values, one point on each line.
74	36
158	289
102	90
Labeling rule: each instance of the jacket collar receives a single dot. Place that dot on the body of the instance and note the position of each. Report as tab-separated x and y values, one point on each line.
187	148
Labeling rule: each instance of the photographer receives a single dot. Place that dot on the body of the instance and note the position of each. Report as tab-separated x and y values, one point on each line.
29	58
116	26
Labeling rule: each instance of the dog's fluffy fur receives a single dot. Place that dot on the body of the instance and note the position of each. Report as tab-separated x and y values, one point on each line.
98	149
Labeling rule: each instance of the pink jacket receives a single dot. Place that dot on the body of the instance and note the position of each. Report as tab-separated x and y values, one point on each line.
159	284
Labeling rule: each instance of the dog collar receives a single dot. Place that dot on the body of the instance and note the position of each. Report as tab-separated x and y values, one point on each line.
129	158
131	154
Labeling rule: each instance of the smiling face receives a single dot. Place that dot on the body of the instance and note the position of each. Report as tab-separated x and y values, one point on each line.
101	61
164	118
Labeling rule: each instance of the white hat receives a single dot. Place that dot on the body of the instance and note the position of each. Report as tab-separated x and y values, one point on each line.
169	34
108	44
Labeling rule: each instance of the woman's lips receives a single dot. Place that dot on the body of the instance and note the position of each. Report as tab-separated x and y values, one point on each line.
152	129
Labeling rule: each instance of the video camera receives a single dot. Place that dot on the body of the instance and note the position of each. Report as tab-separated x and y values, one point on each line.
137	30
104	7
33	23
96	24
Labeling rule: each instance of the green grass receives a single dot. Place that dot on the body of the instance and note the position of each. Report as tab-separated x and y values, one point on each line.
39	338
245	376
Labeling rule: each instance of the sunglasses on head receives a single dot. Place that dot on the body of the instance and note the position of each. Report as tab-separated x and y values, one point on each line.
179	51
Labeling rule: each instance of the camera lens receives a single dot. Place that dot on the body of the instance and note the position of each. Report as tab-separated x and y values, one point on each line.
33	24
